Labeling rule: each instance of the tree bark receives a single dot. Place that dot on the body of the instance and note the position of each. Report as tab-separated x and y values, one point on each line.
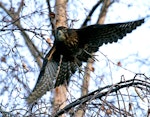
61	20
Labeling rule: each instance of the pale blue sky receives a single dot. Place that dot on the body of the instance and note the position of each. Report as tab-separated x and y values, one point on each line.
130	51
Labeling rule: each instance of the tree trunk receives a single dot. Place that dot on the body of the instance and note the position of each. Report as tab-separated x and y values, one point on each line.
60	92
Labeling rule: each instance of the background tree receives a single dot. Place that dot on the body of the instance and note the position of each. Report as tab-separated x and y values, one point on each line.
112	85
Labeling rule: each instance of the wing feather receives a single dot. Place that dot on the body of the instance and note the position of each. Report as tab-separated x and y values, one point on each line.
67	69
52	74
56	71
46	79
94	36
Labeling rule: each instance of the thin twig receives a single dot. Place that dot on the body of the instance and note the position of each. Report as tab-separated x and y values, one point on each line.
100	94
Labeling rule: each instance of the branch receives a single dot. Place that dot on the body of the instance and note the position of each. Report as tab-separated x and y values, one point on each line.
51	19
85	85
89	66
99	93
20	7
5	113
16	21
91	13
104	9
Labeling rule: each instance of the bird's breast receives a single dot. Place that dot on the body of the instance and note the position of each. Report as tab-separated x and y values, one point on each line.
68	50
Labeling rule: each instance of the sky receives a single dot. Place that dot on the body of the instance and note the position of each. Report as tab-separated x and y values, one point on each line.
132	51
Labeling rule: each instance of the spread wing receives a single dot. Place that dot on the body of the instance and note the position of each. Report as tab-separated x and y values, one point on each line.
94	36
57	70
52	74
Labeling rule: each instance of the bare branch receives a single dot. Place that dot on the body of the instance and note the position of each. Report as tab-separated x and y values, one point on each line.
90	62
51	19
104	9
33	49
99	93
91	13
85	85
20	7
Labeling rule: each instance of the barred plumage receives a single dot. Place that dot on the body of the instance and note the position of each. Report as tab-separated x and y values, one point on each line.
71	48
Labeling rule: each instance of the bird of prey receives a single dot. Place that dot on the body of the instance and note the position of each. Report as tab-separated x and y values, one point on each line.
71	48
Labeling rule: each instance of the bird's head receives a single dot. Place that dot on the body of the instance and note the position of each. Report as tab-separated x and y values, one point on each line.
61	33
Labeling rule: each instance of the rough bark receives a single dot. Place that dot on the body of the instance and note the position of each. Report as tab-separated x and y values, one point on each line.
61	20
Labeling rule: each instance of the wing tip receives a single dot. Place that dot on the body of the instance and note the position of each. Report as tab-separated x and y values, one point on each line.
140	21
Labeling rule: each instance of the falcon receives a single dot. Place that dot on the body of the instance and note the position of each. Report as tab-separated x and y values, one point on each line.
71	48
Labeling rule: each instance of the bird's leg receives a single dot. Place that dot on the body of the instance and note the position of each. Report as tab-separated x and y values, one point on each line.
78	63
79	66
92	56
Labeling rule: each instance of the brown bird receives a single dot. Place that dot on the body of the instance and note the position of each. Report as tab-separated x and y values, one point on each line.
71	48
